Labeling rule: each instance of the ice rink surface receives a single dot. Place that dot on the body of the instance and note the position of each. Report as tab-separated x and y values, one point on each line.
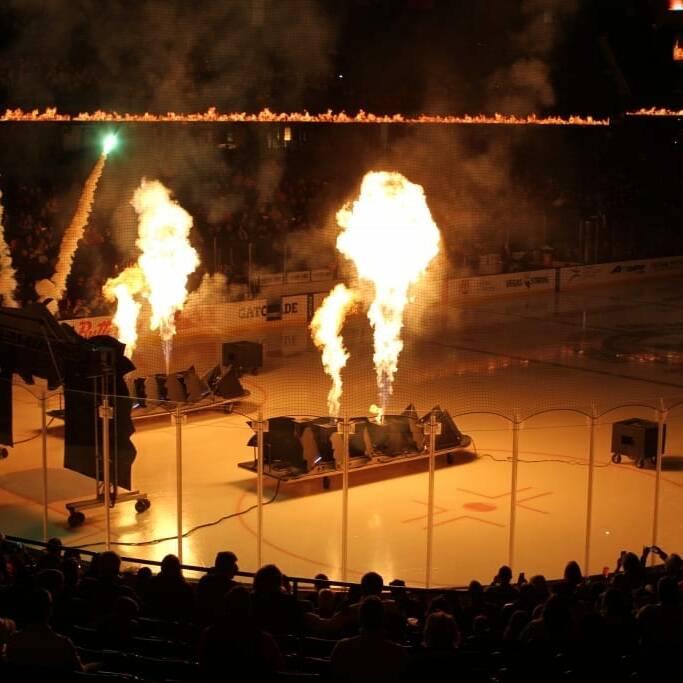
549	360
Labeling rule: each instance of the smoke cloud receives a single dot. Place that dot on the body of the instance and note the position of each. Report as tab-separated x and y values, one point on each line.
164	55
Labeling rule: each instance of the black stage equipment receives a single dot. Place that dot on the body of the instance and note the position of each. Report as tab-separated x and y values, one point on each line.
451	436
228	386
636	439
282	447
296	449
6	433
160	393
244	356
139	392
33	343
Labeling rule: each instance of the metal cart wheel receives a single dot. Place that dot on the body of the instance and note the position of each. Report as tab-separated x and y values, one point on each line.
142	505
616	458
76	519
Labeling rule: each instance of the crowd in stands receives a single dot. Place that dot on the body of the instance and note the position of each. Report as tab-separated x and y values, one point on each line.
59	614
268	228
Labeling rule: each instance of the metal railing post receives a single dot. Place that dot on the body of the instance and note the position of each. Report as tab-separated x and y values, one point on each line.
589	491
432	429
346	429
513	489
661	420
43	432
106	414
261	428
178	420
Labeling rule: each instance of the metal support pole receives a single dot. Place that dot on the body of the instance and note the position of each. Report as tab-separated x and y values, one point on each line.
431	429
589	491
513	490
261	428
178	420
106	414
249	272
43	431
661	415
346	429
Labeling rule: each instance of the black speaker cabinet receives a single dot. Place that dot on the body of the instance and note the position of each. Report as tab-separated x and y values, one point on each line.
636	439
244	356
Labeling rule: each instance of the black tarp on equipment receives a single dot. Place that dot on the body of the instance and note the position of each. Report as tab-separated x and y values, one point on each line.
83	429
6	434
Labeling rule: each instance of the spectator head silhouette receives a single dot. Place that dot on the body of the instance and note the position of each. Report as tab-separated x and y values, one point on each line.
631	564
126	609
321	581
371	614
226	563
674	565
397	586
268	580
108	565
54	547
237	605
439	604
170	567
475	587
528	597
441	631
572	573
52	580
540	584
326	601
371	584
504	575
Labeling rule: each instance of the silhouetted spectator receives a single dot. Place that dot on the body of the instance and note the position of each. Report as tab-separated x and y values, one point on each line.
213	586
619	624
321	581
101	592
553	627
117	628
326	602
235	648
501	589
37	645
169	596
275	611
436	658
662	623
369	656
52	557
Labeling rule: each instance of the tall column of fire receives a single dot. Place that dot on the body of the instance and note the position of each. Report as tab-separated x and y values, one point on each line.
390	236
326	328
160	275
